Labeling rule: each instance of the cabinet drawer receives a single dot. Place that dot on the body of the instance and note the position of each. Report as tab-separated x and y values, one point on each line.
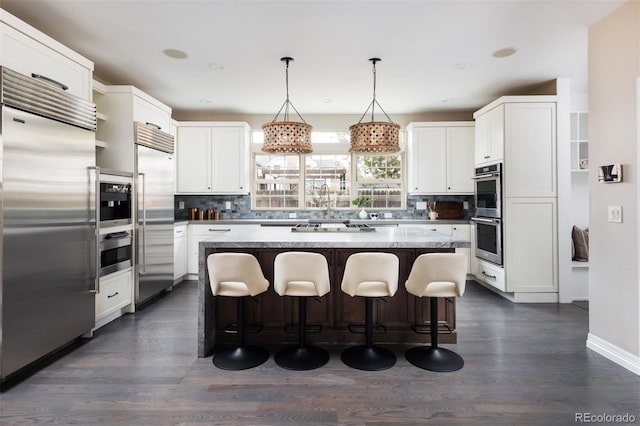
27	56
115	293
490	274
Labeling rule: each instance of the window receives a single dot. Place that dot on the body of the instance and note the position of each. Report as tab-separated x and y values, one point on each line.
276	181
329	174
380	177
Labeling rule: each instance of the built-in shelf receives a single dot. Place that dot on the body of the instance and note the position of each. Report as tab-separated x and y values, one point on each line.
579	170
575	264
101	116
99	87
101	144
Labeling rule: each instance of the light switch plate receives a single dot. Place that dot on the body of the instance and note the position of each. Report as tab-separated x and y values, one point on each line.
614	214
227	205
292	215
181	205
421	205
388	216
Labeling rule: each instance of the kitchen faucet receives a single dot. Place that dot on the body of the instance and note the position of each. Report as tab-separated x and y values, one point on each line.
324	189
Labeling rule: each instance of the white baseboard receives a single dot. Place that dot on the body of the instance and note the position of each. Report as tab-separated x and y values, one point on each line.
614	353
521	297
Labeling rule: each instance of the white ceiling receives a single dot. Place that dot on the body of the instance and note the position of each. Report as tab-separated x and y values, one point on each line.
420	43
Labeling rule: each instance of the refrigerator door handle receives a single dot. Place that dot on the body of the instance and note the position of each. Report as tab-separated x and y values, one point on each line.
143	228
96	197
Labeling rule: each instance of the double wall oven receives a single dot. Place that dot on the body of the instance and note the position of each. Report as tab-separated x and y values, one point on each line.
115	229
488	218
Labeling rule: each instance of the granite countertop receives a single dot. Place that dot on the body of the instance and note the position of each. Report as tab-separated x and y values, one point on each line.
382	237
293	222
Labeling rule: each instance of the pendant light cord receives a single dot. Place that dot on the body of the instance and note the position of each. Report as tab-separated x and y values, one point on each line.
374	102
287	103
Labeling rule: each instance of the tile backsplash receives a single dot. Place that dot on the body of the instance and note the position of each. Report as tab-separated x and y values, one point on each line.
241	207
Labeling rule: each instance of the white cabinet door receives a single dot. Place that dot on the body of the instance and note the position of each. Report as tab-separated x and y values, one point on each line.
428	157
194	159
530	242
530	150
180	252
28	56
490	136
460	159
230	159
464	232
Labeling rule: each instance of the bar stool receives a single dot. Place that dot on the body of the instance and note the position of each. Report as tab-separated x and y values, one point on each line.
436	275
301	274
370	275
237	275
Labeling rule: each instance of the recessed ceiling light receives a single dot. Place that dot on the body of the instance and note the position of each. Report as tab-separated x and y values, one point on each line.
216	66
463	66
205	101
327	100
175	53
503	53
447	101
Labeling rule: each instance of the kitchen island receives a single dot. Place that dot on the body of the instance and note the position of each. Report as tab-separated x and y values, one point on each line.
335	311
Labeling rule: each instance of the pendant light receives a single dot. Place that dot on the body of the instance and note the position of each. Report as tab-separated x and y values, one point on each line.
287	137
374	136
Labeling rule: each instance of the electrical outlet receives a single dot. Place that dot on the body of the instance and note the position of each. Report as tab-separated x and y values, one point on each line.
227	205
388	216
181	205
421	205
614	214
292	215
465	205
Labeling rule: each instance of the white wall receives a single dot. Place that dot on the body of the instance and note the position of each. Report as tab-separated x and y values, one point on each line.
614	65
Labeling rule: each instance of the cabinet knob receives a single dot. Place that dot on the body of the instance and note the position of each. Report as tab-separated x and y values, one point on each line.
487	157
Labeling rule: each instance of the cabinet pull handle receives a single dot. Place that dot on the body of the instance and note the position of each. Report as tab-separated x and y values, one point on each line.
486	157
220	230
112	295
178	232
487	275
50	80
154	125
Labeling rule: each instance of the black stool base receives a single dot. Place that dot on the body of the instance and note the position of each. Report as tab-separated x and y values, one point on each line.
240	358
305	358
369	358
434	359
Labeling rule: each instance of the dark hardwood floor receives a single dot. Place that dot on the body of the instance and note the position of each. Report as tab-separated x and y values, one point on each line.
524	365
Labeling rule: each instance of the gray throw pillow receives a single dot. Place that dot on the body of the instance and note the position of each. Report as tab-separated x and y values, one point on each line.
580	238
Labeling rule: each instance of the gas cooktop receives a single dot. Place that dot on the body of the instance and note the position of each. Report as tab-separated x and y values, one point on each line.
332	227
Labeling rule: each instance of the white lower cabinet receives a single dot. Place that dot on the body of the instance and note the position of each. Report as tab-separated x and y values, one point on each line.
197	233
461	230
115	297
179	252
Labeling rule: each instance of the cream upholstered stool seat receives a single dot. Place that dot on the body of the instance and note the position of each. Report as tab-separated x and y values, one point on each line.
301	274
436	275
237	275
370	275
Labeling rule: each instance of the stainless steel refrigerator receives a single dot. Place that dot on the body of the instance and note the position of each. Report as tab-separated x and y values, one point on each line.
47	198
154	168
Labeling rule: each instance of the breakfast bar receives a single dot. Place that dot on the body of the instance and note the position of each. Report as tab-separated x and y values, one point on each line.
335	311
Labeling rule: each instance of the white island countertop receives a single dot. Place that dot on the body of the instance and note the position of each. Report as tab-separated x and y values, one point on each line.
283	237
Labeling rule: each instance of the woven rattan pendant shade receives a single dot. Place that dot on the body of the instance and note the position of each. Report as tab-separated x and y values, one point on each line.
287	137
375	136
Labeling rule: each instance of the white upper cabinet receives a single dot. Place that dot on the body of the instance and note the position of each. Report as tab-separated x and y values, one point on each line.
530	149
489	148
122	106
32	53
212	157
441	158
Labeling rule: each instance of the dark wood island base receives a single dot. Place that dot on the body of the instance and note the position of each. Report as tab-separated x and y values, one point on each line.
333	312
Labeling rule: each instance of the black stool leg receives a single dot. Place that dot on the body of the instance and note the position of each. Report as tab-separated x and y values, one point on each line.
434	358
368	357
242	356
301	356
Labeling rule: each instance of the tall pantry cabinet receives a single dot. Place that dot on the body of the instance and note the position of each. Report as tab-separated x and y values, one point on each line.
529	194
